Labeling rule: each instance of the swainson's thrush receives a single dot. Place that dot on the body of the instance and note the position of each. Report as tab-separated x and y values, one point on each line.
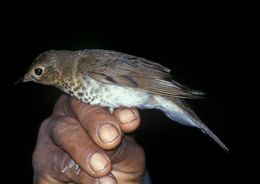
113	79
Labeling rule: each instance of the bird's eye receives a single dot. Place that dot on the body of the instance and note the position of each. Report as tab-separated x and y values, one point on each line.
38	71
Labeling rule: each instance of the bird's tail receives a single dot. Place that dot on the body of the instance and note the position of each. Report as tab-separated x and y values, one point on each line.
177	110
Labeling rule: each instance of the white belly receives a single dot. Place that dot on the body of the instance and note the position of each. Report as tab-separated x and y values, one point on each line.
114	96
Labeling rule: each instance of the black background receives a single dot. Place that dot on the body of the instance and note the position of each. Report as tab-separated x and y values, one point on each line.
204	44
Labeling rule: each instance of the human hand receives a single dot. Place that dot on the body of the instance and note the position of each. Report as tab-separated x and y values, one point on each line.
80	143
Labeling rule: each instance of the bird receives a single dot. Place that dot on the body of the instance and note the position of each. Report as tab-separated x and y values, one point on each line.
114	79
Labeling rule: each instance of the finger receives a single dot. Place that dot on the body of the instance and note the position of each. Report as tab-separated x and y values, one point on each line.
129	119
52	165
79	176
107	179
68	134
43	181
99	123
128	161
64	171
76	175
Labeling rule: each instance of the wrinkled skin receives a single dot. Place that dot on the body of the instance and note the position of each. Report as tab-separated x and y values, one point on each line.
93	138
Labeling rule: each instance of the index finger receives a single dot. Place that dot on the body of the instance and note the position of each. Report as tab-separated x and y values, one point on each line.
99	123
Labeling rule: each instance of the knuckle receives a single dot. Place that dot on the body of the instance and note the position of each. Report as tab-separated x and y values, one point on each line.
71	170
40	168
41	178
62	127
35	159
49	167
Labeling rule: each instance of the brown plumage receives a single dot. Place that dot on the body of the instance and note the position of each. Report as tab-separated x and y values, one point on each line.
125	70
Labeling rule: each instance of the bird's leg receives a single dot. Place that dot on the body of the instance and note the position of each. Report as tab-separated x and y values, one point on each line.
111	109
70	165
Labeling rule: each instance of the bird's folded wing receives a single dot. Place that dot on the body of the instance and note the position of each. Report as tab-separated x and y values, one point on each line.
130	71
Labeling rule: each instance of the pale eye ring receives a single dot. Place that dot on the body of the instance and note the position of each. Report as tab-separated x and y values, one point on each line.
38	71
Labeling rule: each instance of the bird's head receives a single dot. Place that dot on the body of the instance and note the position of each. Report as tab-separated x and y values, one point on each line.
44	69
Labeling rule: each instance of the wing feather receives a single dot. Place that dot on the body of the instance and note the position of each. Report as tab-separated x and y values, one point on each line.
116	68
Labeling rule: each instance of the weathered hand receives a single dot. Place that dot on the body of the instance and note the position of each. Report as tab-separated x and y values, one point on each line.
80	143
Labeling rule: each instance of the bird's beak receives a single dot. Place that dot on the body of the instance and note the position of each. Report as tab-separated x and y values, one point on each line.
23	79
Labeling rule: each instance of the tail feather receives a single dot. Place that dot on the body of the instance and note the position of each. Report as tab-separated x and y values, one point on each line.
208	132
177	110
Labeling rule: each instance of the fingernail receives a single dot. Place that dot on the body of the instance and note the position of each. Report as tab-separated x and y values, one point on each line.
98	162
126	116
107	180
108	133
